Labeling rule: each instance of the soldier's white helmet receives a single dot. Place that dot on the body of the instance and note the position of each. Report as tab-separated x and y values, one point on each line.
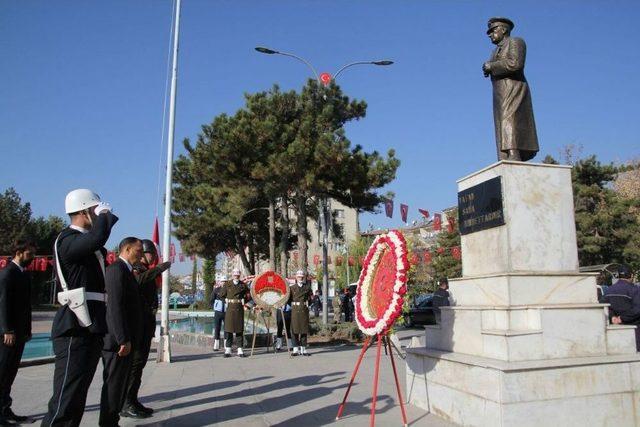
79	200
235	272
300	273
223	278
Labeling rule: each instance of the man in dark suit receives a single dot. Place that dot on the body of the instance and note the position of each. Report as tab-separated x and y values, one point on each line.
15	323
78	329
124	325
147	271
624	297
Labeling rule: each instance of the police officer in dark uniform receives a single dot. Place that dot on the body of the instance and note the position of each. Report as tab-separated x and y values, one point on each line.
147	272
124	325
624	298
219	308
300	295
15	324
236	294
78	329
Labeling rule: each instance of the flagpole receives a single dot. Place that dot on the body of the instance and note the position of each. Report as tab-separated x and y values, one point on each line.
164	346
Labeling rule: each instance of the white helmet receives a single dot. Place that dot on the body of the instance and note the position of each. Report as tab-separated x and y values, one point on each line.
236	272
79	200
300	273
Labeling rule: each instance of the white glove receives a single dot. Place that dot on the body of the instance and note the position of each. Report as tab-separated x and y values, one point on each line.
102	207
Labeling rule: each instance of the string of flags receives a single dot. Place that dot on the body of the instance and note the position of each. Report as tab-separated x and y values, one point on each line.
437	217
424	256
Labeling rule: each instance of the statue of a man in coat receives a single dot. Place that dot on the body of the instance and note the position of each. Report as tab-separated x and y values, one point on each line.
516	137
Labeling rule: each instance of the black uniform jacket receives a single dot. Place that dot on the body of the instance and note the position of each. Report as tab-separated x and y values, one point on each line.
15	302
148	291
81	268
624	298
124	317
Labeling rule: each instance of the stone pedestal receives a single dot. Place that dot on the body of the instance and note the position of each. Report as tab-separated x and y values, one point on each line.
526	342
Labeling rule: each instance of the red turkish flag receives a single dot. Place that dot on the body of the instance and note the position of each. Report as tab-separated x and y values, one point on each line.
451	223
427	257
440	250
3	262
388	207
455	252
325	78
404	210
111	258
424	213
316	259
352	261
437	222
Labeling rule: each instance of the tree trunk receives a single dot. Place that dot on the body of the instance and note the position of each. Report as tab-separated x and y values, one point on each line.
284	237
272	235
252	258
301	229
240	249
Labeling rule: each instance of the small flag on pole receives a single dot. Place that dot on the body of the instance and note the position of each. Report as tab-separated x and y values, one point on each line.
437	222
424	213
388	207
404	210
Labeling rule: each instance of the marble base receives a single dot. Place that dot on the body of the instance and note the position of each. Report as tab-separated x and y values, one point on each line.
476	391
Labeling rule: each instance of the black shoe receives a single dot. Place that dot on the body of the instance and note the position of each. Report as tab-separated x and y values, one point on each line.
5	422
132	412
306	354
144	409
227	355
10	416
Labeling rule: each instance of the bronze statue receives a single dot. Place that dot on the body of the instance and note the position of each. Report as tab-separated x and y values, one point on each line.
516	137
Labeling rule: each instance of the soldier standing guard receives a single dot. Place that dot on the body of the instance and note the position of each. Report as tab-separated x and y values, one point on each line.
219	307
235	294
300	295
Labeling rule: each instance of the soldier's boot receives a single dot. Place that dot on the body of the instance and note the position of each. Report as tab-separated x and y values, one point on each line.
295	351
216	345
227	352
240	352
303	351
278	343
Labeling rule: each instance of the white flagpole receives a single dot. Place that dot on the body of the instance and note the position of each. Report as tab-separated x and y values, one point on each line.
164	346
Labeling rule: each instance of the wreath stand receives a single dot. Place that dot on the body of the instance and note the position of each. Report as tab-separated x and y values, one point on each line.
266	325
284	328
382	338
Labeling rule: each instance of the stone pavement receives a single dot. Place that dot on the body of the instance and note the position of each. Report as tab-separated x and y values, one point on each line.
201	388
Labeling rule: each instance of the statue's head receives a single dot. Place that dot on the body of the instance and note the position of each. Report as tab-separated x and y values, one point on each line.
499	28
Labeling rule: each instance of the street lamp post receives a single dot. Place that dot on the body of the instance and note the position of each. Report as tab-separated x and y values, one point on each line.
324	213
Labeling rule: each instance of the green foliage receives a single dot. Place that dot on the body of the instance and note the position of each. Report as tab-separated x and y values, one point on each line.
16	222
356	249
444	263
14	217
194	277
420	275
282	146
208	277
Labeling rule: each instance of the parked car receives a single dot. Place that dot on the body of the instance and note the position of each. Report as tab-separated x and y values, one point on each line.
421	313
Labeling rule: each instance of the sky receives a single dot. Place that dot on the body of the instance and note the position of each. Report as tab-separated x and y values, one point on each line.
83	87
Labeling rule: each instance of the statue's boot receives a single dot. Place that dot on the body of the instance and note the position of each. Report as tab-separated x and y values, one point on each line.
515	155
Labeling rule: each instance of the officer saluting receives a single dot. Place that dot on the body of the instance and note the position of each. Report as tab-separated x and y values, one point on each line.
80	323
235	294
147	271
300	295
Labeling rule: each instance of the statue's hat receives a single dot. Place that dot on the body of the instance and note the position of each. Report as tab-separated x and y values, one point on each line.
497	20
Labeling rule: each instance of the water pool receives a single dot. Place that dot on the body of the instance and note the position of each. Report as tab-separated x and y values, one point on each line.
39	346
204	325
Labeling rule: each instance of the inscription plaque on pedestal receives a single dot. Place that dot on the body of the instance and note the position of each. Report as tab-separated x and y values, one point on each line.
480	206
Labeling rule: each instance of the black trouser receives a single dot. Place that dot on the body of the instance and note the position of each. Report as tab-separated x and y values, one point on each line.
228	337
302	341
280	325
9	364
347	313
114	376
76	360
218	318
139	361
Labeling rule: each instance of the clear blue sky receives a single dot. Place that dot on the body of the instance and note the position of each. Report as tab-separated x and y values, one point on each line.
82	86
